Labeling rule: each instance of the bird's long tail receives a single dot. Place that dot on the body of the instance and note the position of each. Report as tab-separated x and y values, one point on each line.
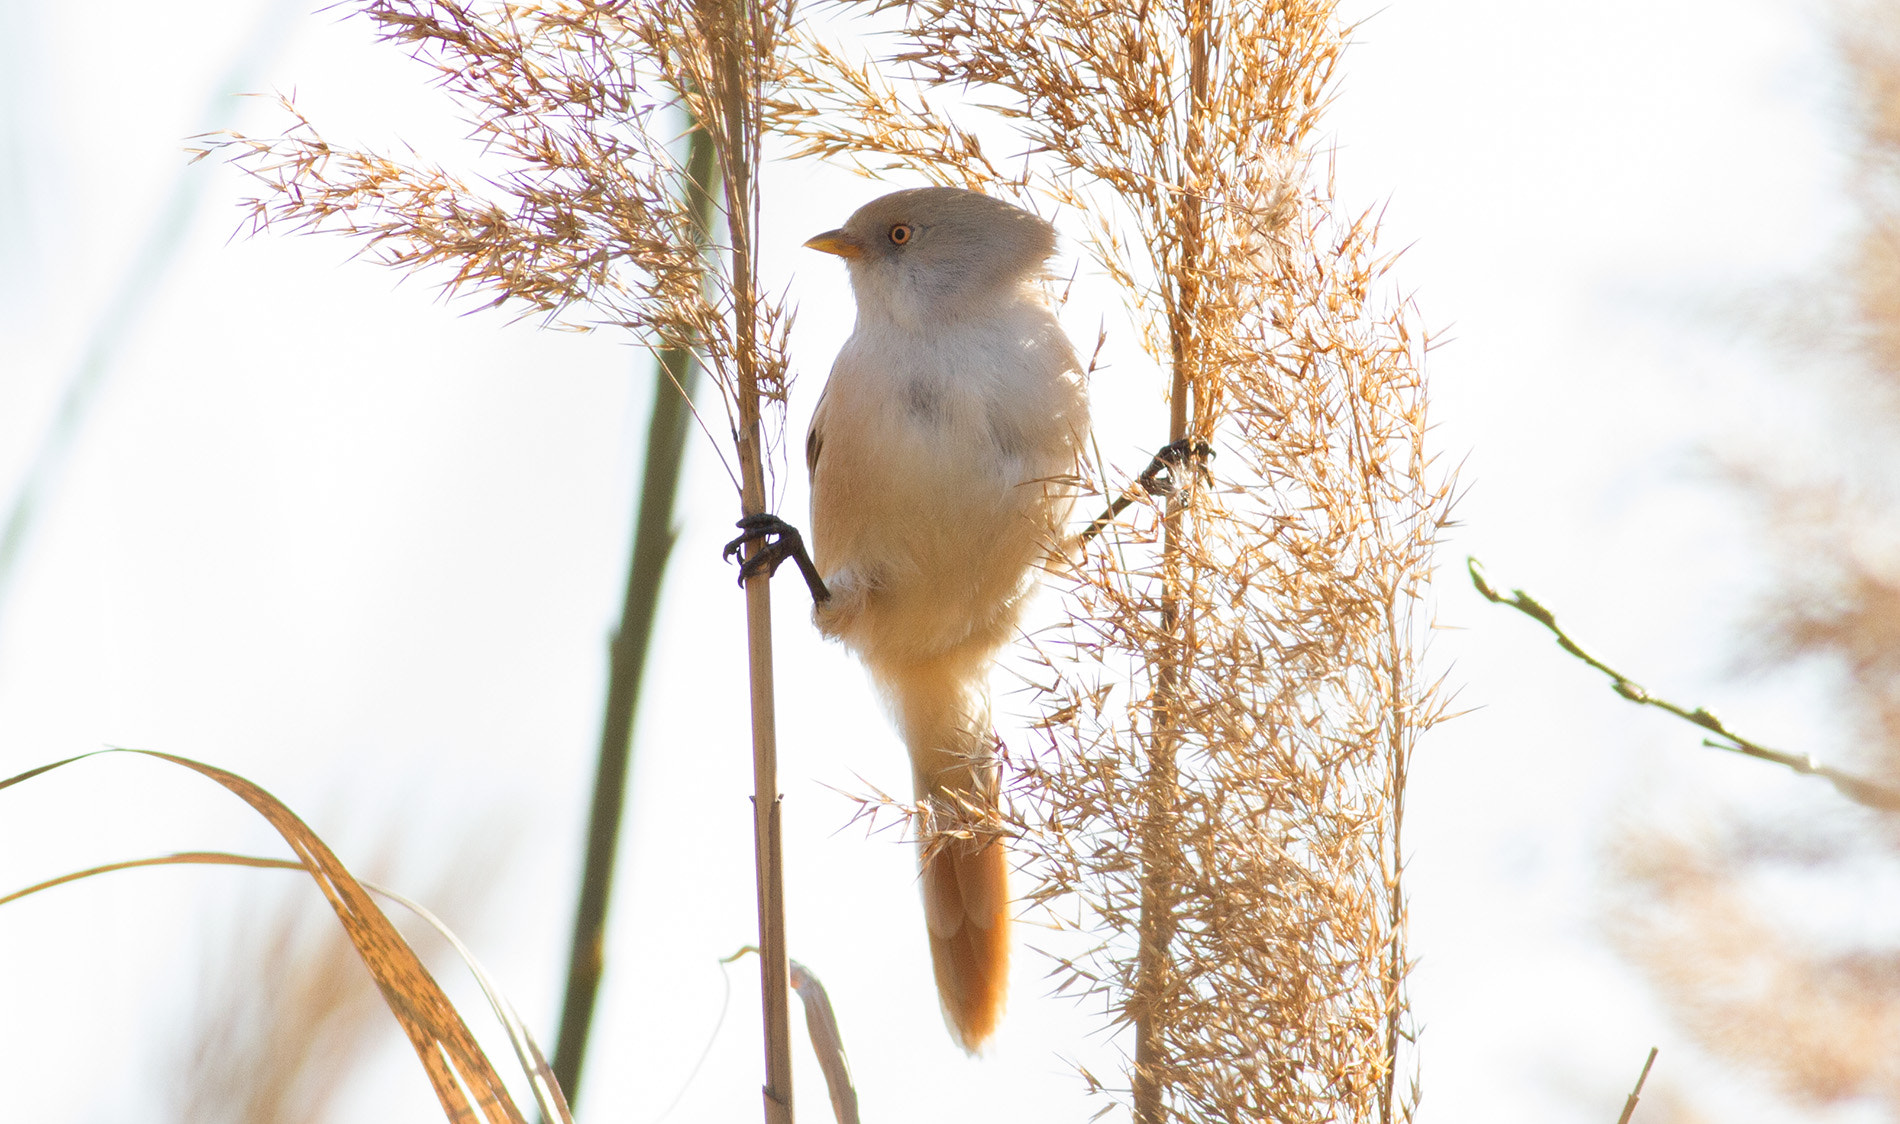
944	714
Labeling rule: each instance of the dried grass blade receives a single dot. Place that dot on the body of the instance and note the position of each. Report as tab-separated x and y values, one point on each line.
457	1067
194	858
534	1064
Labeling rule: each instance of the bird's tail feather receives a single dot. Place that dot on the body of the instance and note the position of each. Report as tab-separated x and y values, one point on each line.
942	710
966	903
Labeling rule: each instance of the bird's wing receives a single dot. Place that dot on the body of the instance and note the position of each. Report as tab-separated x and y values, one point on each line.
814	437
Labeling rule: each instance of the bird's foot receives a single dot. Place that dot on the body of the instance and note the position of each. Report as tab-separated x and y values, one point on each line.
1158	479
1190	452
778	541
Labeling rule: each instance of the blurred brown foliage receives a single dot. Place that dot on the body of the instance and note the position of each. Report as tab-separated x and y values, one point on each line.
287	1014
1815	1013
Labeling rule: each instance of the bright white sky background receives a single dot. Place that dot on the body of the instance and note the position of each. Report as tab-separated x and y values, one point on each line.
326	531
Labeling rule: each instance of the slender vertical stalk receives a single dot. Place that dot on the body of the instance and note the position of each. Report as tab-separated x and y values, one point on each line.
653	537
1156	925
581	238
1399	747
142	282
738	104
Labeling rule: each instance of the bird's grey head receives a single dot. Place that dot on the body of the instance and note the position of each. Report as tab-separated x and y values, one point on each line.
937	251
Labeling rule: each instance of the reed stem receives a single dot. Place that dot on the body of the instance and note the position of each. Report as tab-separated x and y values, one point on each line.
1156	925
653	537
737	104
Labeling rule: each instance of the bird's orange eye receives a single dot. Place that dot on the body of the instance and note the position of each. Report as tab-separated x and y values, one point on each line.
900	234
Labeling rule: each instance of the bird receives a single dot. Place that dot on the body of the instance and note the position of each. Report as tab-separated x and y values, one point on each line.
943	456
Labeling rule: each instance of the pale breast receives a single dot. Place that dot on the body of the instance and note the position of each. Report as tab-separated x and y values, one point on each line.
937	470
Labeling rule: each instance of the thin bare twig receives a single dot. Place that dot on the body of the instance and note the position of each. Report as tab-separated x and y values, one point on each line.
1629	1106
1873	794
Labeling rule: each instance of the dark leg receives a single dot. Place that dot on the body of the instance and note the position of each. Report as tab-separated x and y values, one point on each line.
782	541
1157	479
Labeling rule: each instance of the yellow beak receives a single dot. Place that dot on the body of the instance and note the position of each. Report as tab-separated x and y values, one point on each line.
837	242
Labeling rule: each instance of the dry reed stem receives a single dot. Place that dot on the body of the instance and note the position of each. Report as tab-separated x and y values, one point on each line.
1636	1093
465	1082
585	225
1233	701
739	37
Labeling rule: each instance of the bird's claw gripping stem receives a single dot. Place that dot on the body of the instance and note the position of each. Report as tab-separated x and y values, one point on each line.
1158	478
778	541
